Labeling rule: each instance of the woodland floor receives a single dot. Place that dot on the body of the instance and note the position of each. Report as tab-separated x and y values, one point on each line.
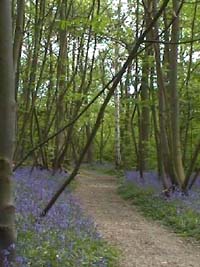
142	243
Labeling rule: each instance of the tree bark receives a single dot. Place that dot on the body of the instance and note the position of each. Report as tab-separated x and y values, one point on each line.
18	32
176	142
7	132
144	123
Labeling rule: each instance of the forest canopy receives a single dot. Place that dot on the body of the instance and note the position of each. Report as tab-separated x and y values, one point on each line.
66	52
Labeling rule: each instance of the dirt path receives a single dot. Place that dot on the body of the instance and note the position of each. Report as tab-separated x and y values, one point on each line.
143	243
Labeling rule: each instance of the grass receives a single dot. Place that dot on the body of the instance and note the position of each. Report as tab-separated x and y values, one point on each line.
104	168
172	213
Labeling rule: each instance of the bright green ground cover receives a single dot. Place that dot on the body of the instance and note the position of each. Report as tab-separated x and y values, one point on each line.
173	213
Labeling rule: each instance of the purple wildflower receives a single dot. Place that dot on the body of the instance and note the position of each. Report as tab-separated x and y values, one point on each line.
55	231
151	180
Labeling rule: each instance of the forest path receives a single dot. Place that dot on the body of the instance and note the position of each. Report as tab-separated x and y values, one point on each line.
142	243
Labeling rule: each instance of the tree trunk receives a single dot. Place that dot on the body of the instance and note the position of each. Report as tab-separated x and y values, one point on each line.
117	129
90	154
18	32
144	122
7	132
144	118
176	143
117	103
61	84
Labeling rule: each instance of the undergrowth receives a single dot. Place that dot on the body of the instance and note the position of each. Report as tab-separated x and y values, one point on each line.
172	213
66	237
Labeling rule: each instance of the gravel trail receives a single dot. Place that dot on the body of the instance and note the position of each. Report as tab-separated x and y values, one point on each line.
143	243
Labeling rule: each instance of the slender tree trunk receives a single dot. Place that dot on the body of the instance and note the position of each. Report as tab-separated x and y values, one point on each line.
144	118
117	102
187	83
89	155
117	129
176	142
167	164
125	120
18	32
144	123
31	92
7	130
61	84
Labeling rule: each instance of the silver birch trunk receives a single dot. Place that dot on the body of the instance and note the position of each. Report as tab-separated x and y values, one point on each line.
117	128
117	103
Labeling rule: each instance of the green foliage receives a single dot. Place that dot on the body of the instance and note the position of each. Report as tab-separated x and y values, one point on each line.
90	250
183	221
100	24
107	29
103	168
